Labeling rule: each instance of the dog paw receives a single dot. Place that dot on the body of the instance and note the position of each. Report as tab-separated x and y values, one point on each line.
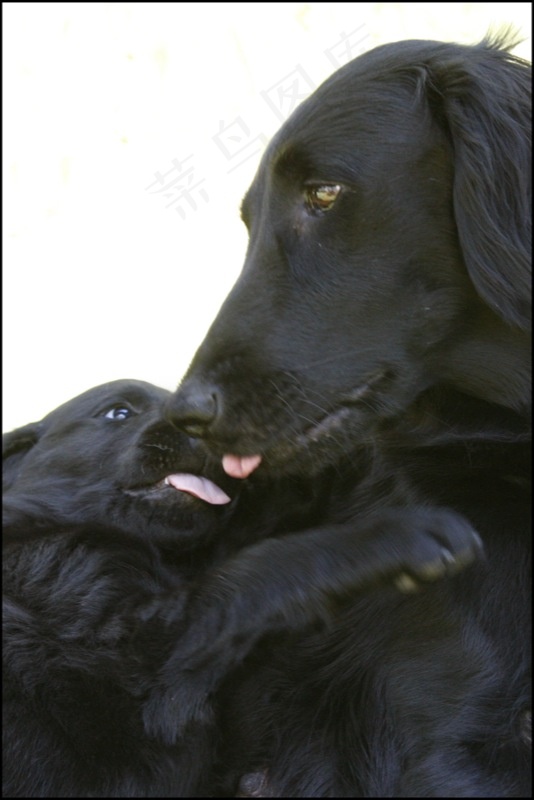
440	544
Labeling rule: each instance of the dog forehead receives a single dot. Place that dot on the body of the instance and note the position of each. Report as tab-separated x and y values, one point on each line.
141	395
342	129
383	82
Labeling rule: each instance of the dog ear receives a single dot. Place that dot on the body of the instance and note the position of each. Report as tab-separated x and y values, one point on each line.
486	103
15	446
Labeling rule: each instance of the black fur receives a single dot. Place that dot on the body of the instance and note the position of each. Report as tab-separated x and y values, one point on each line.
384	306
126	602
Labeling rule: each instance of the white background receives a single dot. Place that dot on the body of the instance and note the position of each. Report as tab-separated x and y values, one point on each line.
105	278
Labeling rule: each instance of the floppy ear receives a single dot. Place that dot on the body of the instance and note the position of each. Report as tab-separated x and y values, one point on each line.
15	446
487	105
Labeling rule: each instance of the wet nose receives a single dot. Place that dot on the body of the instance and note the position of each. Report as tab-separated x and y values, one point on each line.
194	408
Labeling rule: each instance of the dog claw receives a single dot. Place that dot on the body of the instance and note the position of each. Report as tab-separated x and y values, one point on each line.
253	784
406	584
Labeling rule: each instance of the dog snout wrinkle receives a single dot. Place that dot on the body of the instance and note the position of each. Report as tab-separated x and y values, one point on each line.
195	408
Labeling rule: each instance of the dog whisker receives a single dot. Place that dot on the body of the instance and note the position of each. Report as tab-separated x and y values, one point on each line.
347	355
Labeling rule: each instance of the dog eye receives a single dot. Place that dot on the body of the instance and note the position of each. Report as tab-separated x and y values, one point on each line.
118	412
322	197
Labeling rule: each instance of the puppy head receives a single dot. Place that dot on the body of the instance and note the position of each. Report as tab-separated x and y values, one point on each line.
107	458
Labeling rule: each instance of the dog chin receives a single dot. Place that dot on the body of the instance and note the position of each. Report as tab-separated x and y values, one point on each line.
175	517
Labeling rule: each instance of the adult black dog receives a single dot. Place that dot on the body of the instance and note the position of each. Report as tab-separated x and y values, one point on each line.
125	572
384	304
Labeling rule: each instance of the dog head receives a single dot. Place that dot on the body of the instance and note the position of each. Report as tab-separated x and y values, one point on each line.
388	255
107	458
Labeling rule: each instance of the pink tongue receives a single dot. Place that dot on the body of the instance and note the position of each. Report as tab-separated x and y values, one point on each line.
199	487
240	466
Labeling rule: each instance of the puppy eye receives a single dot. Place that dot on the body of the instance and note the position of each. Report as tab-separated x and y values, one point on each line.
321	198
118	412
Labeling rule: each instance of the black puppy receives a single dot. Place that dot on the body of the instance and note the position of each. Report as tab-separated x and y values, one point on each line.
125	574
385	305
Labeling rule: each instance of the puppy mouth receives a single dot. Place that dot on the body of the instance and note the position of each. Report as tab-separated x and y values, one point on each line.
198	486
328	427
187	485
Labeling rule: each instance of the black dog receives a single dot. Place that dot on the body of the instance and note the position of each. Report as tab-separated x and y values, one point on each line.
384	306
125	572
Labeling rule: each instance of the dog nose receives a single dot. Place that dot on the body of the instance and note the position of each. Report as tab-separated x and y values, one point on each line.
194	408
